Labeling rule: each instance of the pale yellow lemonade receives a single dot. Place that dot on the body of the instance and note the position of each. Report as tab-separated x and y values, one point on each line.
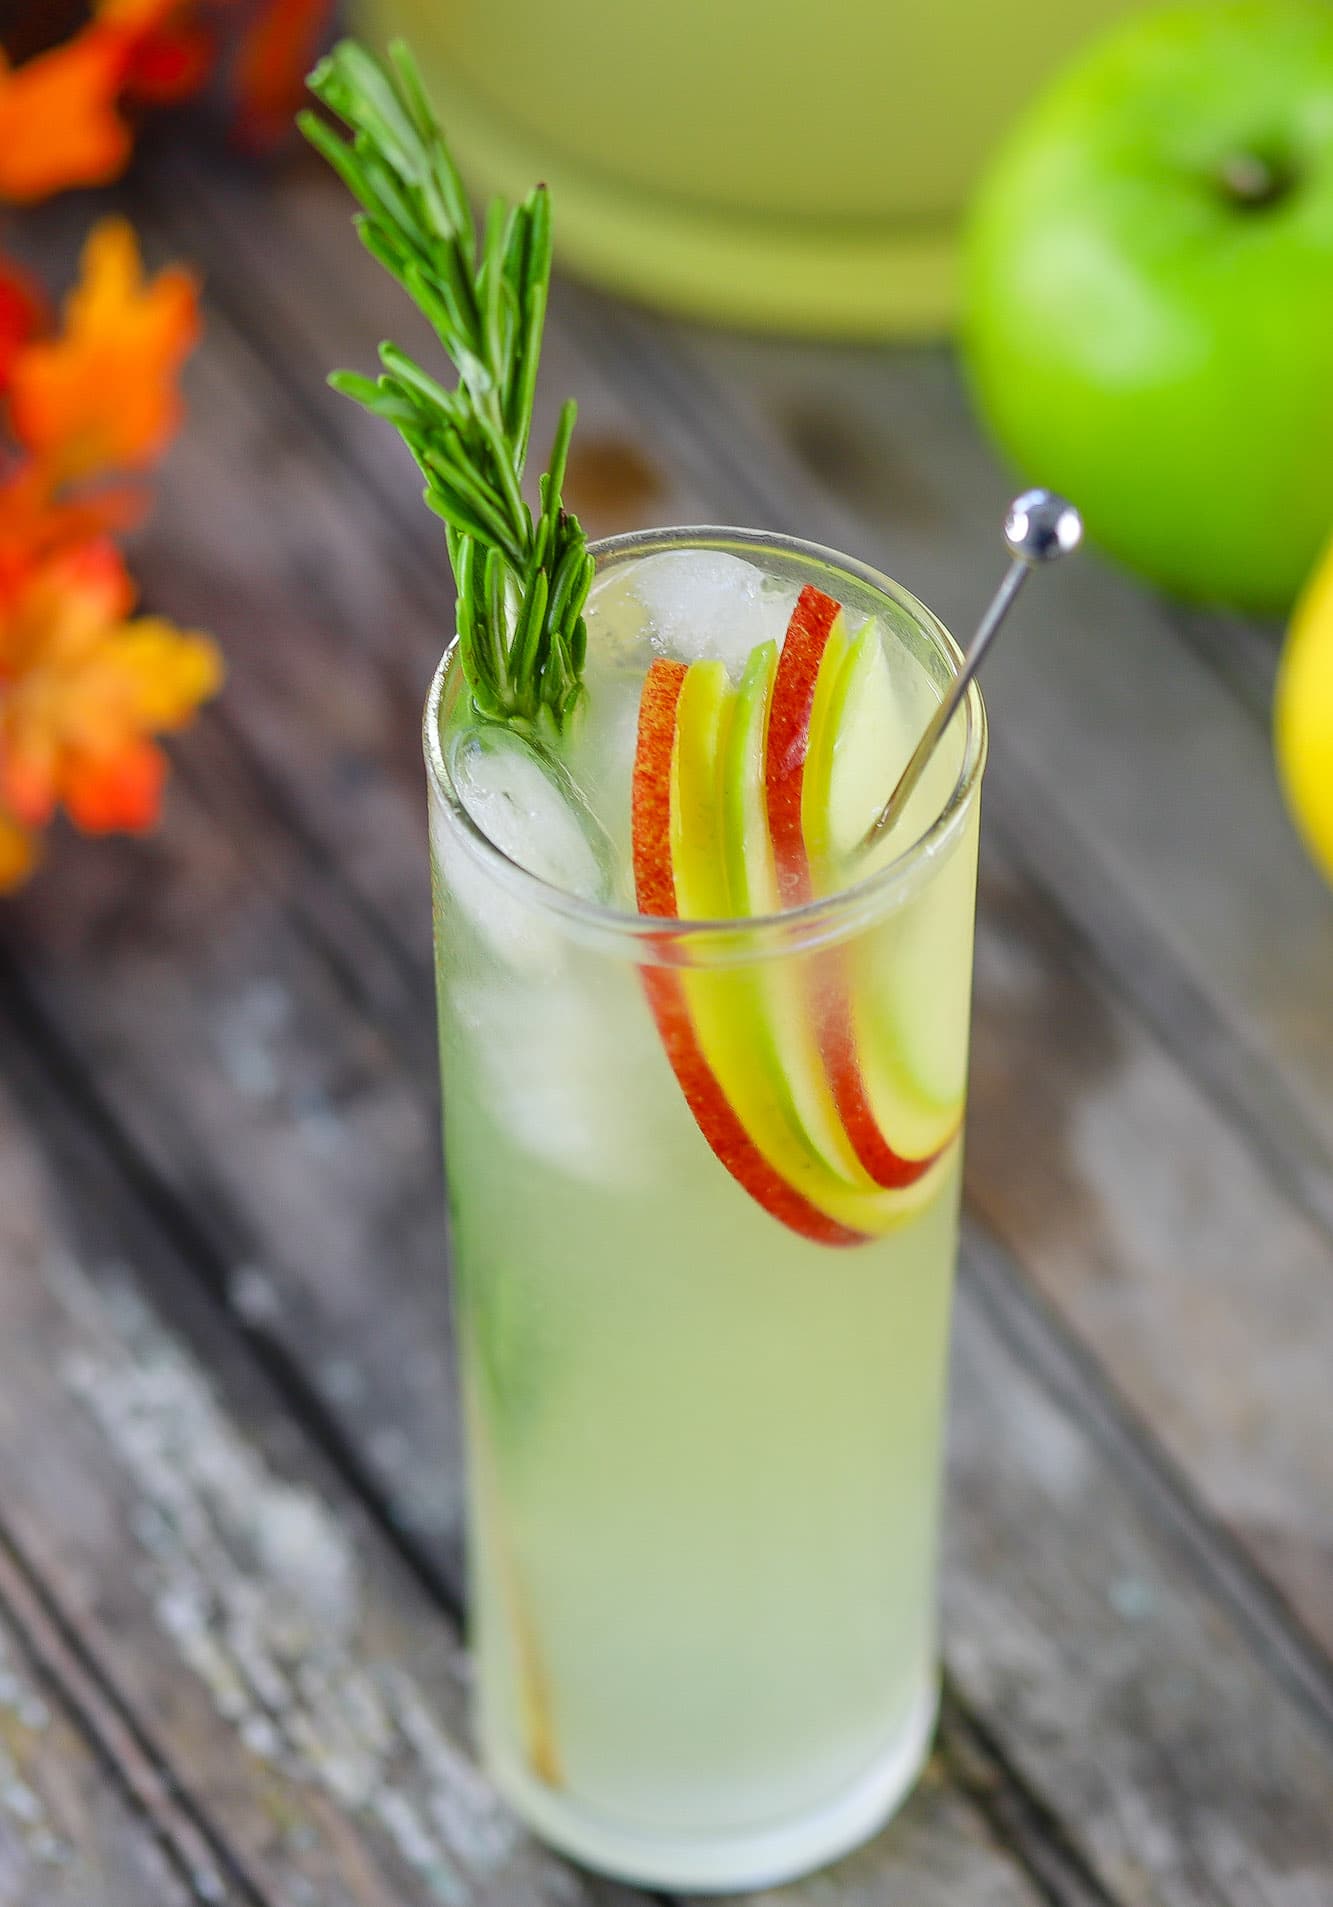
704	1446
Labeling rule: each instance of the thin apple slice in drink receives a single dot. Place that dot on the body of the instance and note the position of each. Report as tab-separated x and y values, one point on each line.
851	761
909	1000
908	983
679	998
785	1043
704	712
826	783
749	1017
813	650
831	771
739	1038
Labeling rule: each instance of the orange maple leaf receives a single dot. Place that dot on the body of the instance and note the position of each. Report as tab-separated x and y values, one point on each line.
103	395
59	123
85	687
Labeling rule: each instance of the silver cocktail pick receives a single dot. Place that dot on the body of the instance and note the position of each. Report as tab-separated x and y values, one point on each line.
1040	526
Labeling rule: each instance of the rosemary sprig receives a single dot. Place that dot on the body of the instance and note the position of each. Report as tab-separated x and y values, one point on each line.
522	582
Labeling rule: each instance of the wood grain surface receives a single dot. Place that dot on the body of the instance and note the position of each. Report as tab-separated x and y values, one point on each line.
70	1833
229	1476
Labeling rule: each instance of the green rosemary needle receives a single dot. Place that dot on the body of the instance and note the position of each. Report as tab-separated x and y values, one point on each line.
522	582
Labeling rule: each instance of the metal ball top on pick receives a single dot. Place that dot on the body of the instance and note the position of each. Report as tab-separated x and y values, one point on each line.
1039	527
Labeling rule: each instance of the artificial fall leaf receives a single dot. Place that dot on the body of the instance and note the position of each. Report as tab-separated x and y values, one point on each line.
168	51
115	791
62	600
84	687
103	395
22	313
53	625
59	120
276	52
171	65
36	523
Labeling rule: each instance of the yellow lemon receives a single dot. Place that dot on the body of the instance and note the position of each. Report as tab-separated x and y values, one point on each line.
1303	715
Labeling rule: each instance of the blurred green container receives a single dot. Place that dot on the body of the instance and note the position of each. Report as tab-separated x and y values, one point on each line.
792	166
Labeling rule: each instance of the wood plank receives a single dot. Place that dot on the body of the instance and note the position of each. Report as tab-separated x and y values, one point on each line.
1094	1657
387	1414
297	1136
1112	1683
1141	1213
300	880
239	1611
68	1836
233	1603
1244	653
337	615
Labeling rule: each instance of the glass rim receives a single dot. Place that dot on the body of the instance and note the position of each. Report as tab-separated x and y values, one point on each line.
828	917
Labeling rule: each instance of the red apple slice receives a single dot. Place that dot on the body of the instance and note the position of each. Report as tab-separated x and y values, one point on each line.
650	797
667	991
815	630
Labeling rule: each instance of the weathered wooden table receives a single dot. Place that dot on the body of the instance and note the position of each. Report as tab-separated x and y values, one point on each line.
229	1480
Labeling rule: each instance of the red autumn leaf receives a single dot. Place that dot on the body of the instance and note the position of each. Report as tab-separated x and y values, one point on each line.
169	51
171	66
276	52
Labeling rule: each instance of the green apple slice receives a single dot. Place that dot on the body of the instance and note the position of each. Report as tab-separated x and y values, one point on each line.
849	768
703	715
751	868
910	997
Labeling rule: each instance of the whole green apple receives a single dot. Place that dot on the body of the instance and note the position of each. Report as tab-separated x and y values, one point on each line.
1148	309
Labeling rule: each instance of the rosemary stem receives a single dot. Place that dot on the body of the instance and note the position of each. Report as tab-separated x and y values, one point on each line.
522	582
